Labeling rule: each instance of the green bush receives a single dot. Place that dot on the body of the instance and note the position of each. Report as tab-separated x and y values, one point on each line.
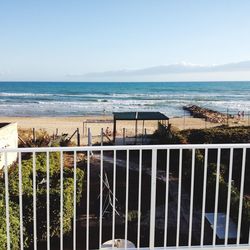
27	186
217	135
14	222
214	135
169	136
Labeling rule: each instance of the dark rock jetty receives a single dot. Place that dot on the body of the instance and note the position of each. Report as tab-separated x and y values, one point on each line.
208	114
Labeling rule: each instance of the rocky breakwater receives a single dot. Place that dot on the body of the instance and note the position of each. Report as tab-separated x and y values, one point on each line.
208	114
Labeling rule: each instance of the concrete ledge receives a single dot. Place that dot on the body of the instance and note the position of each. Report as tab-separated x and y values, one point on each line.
8	139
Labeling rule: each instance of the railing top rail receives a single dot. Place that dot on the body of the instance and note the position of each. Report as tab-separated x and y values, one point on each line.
130	147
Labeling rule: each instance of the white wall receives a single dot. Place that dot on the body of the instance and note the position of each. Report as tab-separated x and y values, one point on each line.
8	139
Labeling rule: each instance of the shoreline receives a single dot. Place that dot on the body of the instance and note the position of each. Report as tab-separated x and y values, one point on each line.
58	125
74	122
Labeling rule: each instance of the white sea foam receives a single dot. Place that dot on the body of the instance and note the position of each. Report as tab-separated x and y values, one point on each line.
80	99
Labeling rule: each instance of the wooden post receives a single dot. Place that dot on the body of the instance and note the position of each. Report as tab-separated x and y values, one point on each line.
124	136
136	129
86	128
114	130
101	136
56	131
89	137
78	137
90	140
83	129
184	121
142	132
227	117
34	135
22	140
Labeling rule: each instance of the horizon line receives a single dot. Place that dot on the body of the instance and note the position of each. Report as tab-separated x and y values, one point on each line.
47	81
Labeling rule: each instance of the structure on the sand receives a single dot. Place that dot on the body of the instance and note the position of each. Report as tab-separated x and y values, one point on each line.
138	116
8	139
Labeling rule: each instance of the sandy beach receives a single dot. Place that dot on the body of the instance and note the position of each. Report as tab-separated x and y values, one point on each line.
68	125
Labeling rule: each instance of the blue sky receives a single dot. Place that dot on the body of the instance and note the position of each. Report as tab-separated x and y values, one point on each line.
100	40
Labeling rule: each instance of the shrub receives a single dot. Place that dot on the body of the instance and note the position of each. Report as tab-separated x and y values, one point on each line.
14	222
218	135
27	186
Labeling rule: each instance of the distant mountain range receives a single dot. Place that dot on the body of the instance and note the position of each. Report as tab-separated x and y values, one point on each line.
177	68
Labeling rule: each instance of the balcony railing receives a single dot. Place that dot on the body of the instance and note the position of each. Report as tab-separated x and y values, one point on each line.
155	196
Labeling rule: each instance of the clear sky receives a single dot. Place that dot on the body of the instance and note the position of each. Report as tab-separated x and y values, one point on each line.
67	40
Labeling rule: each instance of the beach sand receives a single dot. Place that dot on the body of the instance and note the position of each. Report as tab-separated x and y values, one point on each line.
68	125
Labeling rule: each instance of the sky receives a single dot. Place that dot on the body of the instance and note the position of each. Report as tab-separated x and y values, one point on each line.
132	40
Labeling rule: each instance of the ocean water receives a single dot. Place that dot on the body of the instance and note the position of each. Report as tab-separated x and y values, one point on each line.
77	99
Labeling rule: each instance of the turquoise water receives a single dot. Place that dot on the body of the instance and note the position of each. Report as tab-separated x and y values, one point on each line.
76	99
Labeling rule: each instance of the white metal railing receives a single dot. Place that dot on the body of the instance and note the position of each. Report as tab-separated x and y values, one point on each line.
174	167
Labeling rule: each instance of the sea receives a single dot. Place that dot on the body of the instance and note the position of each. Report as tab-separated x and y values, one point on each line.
104	98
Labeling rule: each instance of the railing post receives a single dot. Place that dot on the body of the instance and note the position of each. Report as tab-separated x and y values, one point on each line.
88	193
204	197
74	205
241	195
166	199
114	200
48	199
61	200
153	199
216	195
101	194
249	237
191	199
229	196
20	198
7	201
139	200
34	202
126	201
179	200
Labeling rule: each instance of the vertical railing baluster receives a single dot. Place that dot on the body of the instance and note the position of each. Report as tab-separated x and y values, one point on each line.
114	200
249	237
88	187
7	201
229	195
204	198
166	199
241	195
74	216
139	200
61	200
126	199
179	199
20	198
34	202
101	190
216	196
48	202
191	199
153	198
